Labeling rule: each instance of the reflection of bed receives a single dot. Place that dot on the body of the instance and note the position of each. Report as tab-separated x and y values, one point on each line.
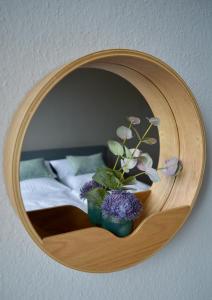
51	154
41	193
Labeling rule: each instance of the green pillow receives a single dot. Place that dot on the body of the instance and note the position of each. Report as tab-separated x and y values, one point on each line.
34	168
85	164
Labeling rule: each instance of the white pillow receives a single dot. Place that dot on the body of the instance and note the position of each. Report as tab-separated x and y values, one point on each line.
62	167
76	182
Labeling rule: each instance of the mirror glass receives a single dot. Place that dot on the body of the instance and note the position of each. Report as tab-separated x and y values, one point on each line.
66	142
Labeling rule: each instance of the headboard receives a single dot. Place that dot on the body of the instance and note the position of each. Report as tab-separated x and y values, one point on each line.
52	154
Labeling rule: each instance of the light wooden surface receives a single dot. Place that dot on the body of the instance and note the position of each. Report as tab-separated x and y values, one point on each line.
97	250
181	134
67	218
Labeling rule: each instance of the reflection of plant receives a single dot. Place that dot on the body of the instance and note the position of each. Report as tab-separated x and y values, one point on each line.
114	179
131	158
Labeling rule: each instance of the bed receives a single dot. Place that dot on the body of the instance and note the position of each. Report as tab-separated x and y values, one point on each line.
43	193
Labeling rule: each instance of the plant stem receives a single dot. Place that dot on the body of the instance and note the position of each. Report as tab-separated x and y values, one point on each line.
137	133
140	141
163	168
141	138
118	157
122	174
116	162
148	129
139	174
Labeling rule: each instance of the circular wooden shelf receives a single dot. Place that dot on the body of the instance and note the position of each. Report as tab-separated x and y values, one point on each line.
170	201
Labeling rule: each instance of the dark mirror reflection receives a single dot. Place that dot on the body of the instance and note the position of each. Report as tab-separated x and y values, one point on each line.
67	140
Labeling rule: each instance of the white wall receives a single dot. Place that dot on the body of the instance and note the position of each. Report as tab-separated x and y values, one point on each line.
37	36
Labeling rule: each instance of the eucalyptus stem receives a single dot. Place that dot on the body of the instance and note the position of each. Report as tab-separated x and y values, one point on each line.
118	157
141	138
148	129
122	174
116	162
163	168
139	174
137	133
140	141
136	147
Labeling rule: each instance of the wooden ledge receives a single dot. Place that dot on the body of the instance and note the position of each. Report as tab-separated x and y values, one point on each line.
97	250
67	218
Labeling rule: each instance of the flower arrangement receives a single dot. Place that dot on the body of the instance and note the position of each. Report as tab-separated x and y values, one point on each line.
109	189
121	205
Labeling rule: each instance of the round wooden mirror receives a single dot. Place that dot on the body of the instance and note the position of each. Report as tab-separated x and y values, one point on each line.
72	240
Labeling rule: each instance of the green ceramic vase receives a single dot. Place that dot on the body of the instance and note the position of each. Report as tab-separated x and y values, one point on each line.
120	228
94	214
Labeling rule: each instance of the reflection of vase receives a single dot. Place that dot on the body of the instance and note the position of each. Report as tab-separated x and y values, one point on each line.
120	228
94	213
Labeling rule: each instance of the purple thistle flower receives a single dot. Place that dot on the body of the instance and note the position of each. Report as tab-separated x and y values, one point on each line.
87	187
121	205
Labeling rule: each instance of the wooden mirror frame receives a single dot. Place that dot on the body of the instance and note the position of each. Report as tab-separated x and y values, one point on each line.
170	201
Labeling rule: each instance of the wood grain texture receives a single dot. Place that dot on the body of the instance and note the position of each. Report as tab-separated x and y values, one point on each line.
98	250
181	134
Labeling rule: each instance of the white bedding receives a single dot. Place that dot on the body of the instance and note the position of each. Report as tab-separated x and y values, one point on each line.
40	193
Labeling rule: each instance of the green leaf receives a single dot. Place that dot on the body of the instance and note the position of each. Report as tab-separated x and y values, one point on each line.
115	147
128	153
96	196
129	180
117	174
149	141
107	178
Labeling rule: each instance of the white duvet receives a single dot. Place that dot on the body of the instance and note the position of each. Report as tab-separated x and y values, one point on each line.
40	193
